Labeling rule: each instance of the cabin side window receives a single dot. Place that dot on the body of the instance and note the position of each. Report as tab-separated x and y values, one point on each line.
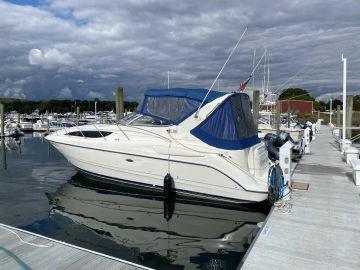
89	133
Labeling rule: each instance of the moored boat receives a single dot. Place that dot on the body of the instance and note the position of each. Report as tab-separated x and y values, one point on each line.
209	152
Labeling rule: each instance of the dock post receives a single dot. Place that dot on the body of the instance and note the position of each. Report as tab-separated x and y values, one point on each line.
119	103
77	115
4	160
255	107
338	116
18	118
277	117
349	111
2	120
331	111
288	114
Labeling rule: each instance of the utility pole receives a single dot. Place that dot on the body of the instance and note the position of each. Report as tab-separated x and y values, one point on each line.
344	60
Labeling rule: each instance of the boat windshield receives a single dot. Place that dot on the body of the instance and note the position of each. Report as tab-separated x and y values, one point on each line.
137	119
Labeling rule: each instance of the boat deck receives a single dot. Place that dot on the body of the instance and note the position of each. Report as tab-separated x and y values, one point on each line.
321	230
44	253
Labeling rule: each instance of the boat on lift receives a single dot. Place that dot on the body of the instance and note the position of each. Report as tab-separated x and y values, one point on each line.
205	141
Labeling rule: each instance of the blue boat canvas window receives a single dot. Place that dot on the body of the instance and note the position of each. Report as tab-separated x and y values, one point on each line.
173	109
230	126
172	106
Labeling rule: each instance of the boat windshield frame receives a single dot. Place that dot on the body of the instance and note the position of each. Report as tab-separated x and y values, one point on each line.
138	119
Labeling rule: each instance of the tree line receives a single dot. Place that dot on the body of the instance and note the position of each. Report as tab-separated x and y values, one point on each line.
61	106
302	94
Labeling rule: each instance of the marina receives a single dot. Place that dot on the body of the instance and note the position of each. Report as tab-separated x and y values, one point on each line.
191	135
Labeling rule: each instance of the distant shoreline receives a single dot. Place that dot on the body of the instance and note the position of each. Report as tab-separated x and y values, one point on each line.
61	105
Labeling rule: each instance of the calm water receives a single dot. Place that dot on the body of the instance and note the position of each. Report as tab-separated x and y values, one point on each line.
42	193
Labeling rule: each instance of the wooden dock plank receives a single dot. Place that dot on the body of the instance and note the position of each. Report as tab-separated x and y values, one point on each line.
322	229
19	255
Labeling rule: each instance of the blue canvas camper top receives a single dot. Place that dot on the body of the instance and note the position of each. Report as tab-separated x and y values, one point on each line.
176	104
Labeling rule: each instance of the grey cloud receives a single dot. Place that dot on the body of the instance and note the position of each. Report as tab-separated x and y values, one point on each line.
65	93
49	58
134	43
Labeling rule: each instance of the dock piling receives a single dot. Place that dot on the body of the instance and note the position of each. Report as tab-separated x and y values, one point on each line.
77	115
4	160
119	103
2	120
338	116
349	111
255	107
288	114
277	117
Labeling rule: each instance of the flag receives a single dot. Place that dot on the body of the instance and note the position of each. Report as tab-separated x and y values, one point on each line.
244	83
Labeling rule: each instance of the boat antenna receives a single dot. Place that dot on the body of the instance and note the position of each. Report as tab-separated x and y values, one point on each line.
264	75
243	84
168	81
268	72
253	77
221	70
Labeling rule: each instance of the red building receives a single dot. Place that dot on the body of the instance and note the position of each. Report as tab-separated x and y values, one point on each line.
296	106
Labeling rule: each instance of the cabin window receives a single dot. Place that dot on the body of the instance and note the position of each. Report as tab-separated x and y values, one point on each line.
89	133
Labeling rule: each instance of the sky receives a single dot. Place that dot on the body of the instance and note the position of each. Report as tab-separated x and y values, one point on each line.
85	49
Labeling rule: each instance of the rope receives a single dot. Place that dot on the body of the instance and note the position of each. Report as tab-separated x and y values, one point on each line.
192	149
23	241
285	204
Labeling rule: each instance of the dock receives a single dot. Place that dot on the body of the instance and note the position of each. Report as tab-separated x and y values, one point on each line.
320	227
23	250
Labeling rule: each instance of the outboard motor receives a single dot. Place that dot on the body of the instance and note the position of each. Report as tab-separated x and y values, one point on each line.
273	151
309	125
274	142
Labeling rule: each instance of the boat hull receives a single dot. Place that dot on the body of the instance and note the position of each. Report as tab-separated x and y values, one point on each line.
147	172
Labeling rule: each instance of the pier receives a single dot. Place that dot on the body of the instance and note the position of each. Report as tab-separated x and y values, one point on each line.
24	250
318	228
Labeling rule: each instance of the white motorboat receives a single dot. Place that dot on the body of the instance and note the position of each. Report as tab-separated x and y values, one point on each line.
11	130
26	126
40	125
212	154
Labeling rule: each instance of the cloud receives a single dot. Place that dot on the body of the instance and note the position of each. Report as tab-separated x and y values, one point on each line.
65	93
94	94
12	89
335	95
49	58
134	43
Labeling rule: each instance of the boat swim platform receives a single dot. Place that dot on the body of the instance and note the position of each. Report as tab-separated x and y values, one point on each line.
24	250
320	227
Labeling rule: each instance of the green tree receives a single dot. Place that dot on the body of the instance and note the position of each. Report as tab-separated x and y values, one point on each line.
295	94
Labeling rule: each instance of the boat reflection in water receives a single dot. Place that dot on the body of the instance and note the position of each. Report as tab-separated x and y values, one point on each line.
161	234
